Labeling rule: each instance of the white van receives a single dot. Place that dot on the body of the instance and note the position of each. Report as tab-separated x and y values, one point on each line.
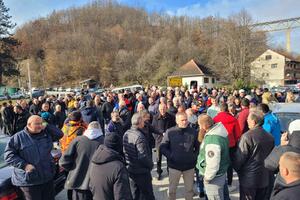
132	88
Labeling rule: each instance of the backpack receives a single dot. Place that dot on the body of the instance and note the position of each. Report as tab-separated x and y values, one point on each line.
71	130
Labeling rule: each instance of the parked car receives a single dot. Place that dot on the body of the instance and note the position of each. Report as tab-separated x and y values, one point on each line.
18	95
11	192
2	97
131	88
286	112
37	93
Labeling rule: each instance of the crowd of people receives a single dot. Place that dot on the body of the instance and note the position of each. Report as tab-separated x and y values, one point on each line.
108	140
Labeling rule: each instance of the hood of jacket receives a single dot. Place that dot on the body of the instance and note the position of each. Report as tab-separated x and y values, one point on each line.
105	155
93	133
218	129
225	117
280	184
294	140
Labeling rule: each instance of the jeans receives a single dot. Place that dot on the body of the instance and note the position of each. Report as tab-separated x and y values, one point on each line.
215	188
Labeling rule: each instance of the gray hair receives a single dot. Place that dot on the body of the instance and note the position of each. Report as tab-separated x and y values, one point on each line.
257	116
94	125
136	119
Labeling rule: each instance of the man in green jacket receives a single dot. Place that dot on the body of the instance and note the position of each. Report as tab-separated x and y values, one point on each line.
213	158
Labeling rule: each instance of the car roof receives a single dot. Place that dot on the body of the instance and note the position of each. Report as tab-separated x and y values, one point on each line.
285	107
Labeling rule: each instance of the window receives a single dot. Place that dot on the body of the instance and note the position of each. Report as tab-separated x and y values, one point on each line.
263	74
268	57
267	74
274	66
262	66
206	80
194	84
212	80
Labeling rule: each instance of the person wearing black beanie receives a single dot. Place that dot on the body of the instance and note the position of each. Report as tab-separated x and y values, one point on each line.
109	178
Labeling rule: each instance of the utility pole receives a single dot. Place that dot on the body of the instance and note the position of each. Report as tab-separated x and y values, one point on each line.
288	40
29	79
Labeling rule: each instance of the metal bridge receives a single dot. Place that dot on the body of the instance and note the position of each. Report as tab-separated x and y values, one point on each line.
286	25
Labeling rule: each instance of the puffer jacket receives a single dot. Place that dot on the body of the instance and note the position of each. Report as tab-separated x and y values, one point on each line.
272	161
137	152
24	148
248	161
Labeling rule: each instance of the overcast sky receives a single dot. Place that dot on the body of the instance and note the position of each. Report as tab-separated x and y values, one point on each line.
261	11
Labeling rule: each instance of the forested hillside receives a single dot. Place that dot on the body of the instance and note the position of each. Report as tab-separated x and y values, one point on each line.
117	44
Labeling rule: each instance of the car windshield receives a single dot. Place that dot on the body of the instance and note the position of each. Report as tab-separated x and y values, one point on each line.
286	119
2	148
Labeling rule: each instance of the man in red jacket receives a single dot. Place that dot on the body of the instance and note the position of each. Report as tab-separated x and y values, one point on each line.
234	133
243	115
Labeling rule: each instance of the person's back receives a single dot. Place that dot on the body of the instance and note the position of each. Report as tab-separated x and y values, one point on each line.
76	159
112	180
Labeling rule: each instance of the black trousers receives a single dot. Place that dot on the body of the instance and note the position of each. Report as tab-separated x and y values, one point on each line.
253	193
39	192
82	195
141	186
230	169
158	161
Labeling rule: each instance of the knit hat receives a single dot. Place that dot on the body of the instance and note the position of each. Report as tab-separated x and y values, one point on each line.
294	126
45	116
113	141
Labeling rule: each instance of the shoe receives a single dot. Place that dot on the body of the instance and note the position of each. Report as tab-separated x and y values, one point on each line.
159	177
231	188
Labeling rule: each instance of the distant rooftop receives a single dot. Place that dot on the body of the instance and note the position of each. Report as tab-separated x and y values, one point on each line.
192	68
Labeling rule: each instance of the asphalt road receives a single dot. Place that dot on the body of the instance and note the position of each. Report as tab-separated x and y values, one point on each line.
161	187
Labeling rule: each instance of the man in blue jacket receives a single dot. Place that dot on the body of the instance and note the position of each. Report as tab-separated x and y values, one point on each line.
29	152
271	123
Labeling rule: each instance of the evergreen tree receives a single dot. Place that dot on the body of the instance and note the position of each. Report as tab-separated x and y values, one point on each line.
7	44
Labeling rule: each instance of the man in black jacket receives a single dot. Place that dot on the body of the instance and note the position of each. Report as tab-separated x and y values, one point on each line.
109	177
161	122
248	161
20	119
76	160
181	147
287	185
139	160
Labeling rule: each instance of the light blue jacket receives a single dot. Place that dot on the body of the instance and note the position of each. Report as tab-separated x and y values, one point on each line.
272	126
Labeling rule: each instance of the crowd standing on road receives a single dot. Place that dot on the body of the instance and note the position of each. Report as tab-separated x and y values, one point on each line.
107	142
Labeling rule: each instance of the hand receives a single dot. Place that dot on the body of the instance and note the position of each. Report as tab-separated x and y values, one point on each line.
284	139
205	180
29	168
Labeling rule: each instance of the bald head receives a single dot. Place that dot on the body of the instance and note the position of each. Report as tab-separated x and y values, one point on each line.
35	124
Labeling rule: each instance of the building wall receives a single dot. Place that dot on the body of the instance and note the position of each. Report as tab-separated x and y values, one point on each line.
263	69
200	81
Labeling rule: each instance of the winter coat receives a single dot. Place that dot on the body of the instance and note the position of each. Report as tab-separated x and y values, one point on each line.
272	161
272	126
20	121
283	191
60	118
89	114
137	152
212	111
34	109
248	160
125	115
112	180
116	127
24	148
213	159
76	159
232	126
161	124
107	109
181	147
242	119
